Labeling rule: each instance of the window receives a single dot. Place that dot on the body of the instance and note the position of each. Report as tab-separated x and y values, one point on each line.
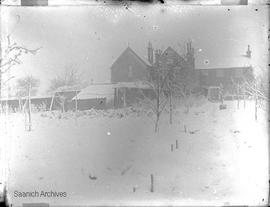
220	73
130	71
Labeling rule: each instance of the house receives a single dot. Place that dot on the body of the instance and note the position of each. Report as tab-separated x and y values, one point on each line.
224	71
130	72
129	67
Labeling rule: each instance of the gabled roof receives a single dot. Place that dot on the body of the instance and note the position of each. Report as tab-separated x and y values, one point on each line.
171	50
128	50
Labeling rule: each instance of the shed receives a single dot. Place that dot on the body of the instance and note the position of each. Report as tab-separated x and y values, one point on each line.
98	96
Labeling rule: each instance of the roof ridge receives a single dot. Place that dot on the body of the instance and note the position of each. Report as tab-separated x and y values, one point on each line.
134	53
137	55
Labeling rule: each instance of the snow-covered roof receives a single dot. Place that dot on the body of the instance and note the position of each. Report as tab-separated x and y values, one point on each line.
226	59
106	90
96	91
138	84
68	88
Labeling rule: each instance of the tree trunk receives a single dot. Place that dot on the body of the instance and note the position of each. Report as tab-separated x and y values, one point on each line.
156	123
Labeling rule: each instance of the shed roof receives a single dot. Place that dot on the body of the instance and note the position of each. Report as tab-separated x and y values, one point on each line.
106	90
96	91
138	84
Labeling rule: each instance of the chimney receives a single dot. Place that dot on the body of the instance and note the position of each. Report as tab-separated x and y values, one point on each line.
150	53
190	55
248	52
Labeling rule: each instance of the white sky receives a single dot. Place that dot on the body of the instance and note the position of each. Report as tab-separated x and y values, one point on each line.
92	37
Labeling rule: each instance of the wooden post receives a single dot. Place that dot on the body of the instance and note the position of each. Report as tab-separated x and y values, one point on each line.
52	102
124	97
76	103
29	108
176	144
185	128
115	97
171	147
221	93
152	183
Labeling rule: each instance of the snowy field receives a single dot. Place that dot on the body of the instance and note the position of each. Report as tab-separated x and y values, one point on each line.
222	157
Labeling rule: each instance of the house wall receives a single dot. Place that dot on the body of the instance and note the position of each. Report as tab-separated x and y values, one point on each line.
215	77
87	104
128	68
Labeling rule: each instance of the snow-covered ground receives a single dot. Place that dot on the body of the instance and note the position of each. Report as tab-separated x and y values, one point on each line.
222	158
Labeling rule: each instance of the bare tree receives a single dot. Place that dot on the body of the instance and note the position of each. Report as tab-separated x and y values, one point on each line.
26	85
254	87
10	57
159	86
253	90
70	79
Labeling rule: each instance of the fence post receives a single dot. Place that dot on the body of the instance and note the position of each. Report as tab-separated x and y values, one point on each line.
51	105
152	183
176	144
29	109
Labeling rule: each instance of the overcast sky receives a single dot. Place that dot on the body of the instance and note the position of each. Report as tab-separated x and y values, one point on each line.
91	37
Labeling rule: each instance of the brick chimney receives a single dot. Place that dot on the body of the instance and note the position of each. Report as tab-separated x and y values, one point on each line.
248	52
